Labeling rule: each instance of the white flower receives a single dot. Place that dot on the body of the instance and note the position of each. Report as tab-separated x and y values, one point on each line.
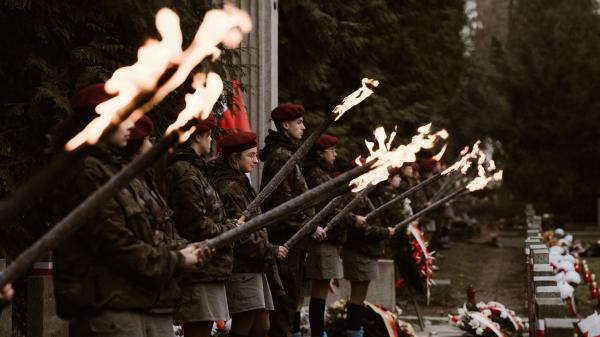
479	331
487	312
503	314
474	324
461	311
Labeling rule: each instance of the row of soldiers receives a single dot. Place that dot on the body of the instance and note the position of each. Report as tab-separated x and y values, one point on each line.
136	268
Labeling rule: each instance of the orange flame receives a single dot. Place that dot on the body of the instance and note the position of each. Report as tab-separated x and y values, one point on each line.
491	165
439	156
199	104
483	179
356	97
385	157
465	161
154	58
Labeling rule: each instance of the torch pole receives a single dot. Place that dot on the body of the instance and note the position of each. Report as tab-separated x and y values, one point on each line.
381	209
313	223
349	207
85	211
455	194
285	208
447	185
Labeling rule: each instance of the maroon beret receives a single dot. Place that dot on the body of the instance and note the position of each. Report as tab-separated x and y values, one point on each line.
427	165
287	112
325	141
393	170
414	166
143	127
89	97
203	125
237	142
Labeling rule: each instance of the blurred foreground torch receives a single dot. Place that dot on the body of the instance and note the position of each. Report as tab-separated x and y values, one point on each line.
208	88
162	66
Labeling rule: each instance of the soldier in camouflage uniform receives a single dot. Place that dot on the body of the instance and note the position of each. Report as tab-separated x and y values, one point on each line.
279	147
384	192
323	261
199	215
115	275
365	243
248	291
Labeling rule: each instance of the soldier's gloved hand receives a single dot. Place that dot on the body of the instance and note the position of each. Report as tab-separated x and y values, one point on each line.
282	252
7	293
319	234
359	220
392	231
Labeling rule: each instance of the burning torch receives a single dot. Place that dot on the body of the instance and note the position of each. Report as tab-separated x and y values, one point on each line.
348	102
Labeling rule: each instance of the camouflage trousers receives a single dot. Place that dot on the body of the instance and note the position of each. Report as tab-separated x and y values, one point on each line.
123	323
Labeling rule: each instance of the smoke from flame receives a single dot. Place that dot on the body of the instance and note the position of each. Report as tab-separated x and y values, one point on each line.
385	157
356	97
155	58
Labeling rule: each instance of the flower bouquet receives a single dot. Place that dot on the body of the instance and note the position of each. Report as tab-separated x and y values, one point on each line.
490	319
377	322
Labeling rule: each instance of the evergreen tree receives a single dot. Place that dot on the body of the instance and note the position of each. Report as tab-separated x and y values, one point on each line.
413	48
553	53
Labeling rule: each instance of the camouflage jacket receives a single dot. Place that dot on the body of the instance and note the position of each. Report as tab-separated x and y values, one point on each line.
317	172
199	213
368	239
382	194
253	253
277	151
121	259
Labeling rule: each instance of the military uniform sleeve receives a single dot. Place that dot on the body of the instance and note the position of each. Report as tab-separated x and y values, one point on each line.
252	245
113	242
372	232
189	201
283	193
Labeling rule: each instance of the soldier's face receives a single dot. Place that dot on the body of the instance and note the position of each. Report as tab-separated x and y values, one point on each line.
203	140
119	137
248	160
295	128
329	155
395	181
